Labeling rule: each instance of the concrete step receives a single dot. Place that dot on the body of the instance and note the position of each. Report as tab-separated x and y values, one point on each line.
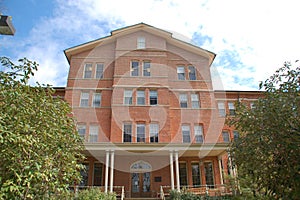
142	198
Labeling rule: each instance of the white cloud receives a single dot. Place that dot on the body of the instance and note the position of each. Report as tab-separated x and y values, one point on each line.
260	34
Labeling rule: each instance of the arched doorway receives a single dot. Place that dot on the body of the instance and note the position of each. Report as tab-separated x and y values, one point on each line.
140	173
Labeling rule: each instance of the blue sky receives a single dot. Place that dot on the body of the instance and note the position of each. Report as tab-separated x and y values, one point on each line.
252	38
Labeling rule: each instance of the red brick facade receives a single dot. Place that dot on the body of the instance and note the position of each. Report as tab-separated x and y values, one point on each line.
129	66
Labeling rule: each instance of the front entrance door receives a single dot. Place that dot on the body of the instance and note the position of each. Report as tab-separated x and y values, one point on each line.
140	179
140	184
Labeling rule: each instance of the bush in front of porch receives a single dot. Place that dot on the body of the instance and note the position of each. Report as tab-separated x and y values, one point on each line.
186	195
95	194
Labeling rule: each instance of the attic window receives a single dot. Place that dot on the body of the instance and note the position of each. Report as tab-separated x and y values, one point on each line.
141	43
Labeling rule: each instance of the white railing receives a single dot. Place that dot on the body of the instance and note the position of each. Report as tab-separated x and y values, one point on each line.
118	190
202	190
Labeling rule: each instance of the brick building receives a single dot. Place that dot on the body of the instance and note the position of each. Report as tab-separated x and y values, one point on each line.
148	113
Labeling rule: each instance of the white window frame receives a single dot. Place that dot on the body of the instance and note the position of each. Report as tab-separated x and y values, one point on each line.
128	133
181	73
127	97
141	43
99	73
81	133
192	76
146	68
151	96
86	72
95	101
183	100
195	101
84	99
134	70
154	132
225	136
221	109
184	130
93	133
140	97
198	132
140	126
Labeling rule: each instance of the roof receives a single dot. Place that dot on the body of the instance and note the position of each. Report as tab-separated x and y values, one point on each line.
134	28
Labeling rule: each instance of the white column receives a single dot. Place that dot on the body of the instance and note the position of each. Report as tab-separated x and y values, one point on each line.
230	165
221	169
112	159
171	170
177	170
106	171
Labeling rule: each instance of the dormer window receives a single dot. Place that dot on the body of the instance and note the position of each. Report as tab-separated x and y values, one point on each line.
141	43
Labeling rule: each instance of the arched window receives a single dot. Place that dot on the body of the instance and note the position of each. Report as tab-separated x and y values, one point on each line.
140	166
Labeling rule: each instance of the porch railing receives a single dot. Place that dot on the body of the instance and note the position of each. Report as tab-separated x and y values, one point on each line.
202	190
118	190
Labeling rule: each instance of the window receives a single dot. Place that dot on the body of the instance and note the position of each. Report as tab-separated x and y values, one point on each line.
154	129
195	100
192	73
180	73
183	100
153	97
140	132
252	105
236	135
209	174
141	43
140	97
88	70
225	135
99	70
134	68
93	134
231	108
186	136
97	100
127	132
128	97
81	131
196	174
84	99
84	173
146	68
183	174
198	130
221	108
97	174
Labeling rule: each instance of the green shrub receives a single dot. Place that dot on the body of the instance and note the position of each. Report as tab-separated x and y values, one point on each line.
95	194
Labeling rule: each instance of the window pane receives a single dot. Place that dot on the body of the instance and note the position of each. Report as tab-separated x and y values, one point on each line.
140	133
146	70
180	73
209	175
153	97
183	174
97	100
192	73
128	97
236	135
134	68
195	100
141	43
88	70
198	130
154	129
84	175
97	174
221	108
93	134
231	108
196	174
183	100
99	70
127	131
81	131
225	135
84	99
140	95
186	137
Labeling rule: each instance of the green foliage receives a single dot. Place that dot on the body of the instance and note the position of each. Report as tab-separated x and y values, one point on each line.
186	195
267	154
95	194
39	145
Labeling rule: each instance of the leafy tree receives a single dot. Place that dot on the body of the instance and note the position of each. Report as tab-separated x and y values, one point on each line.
39	145
267	153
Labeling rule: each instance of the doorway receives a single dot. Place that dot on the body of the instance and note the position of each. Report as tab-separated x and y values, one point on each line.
140	177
